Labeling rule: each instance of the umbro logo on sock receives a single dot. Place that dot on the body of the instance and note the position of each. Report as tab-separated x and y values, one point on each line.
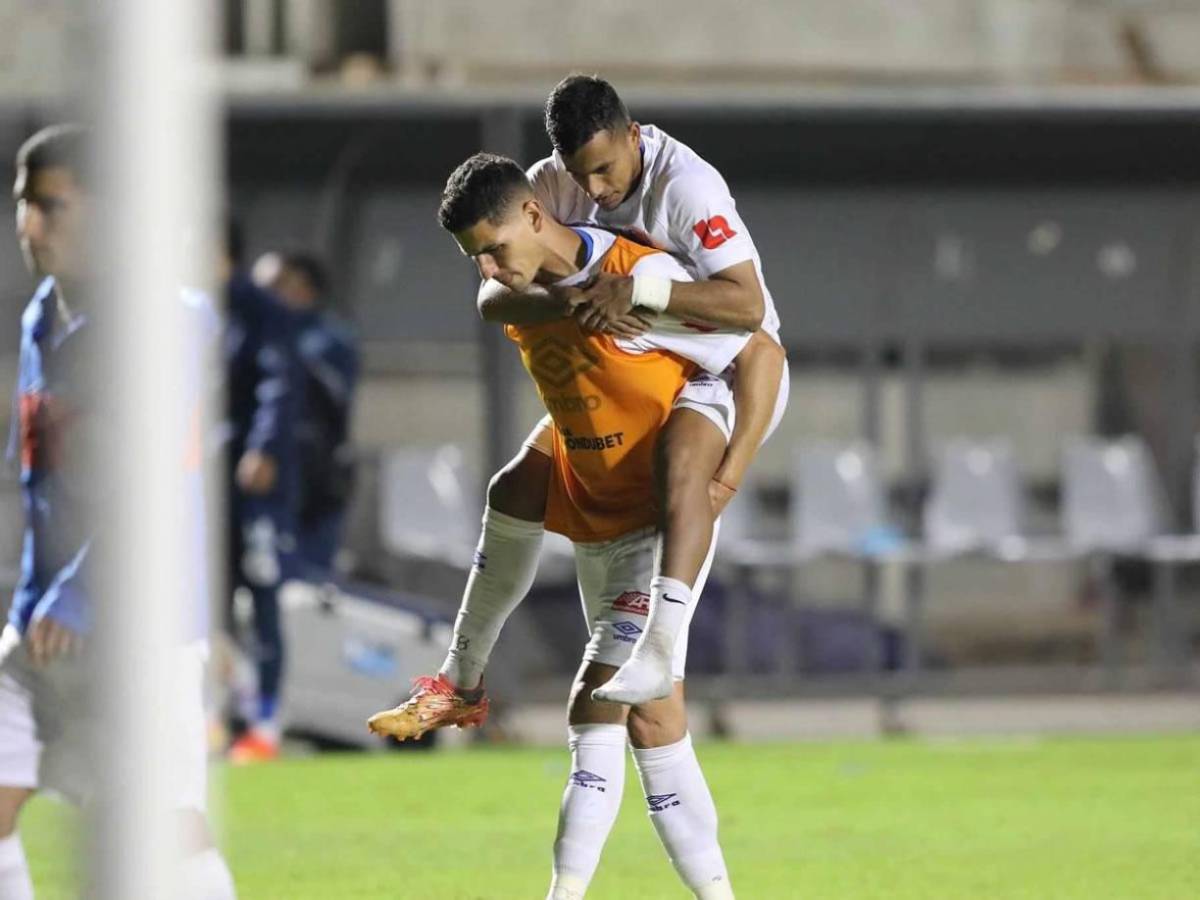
585	779
670	599
659	802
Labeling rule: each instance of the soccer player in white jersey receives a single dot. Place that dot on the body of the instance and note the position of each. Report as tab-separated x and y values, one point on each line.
636	179
640	181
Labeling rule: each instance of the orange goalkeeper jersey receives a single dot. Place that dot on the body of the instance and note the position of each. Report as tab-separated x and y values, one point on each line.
608	402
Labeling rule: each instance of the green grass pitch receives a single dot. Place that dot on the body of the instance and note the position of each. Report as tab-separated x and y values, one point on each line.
987	820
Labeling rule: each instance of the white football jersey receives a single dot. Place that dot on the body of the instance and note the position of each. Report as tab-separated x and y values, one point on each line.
681	205
713	349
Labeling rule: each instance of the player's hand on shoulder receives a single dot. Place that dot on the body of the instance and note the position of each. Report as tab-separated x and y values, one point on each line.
49	640
571	296
633	325
606	298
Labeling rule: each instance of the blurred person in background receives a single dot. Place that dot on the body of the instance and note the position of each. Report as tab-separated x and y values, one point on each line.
327	356
60	423
263	404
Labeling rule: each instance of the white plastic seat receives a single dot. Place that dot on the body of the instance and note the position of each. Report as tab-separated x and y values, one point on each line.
1113	501
430	504
838	504
975	501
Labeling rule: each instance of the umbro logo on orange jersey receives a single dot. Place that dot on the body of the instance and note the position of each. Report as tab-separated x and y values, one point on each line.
714	232
556	362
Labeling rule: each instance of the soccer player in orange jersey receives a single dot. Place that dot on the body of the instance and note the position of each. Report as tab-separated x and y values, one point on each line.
609	399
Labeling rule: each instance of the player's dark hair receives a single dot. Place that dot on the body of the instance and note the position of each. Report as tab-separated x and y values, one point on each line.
309	266
481	188
580	107
56	145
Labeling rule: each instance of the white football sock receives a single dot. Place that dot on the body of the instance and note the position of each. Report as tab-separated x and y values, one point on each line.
15	883
567	887
646	675
684	816
505	564
206	877
589	806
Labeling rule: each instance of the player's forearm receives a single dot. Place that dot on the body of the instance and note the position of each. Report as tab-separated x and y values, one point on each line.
718	302
531	306
755	392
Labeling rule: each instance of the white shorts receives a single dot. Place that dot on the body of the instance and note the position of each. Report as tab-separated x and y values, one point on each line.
614	577
712	397
46	714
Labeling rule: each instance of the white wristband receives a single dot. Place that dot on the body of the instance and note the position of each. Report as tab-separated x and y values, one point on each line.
651	292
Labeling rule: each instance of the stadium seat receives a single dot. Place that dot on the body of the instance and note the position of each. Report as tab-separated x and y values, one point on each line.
838	509
841	508
975	503
1114	505
975	508
430	504
1166	552
431	501
1112	498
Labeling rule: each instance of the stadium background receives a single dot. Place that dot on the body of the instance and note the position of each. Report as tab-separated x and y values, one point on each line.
978	219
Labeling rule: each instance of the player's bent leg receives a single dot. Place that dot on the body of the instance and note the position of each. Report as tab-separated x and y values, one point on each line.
592	796
15	882
501	575
688	452
520	489
505	560
678	800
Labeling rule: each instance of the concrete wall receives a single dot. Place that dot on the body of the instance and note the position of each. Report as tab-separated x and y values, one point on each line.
685	40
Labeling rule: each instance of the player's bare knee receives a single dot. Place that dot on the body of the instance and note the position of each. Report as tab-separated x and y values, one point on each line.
582	709
519	489
11	801
656	724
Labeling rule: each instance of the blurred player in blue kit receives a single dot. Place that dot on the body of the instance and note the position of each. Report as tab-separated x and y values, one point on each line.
61	417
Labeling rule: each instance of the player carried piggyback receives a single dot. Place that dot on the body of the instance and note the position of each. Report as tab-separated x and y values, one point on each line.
609	398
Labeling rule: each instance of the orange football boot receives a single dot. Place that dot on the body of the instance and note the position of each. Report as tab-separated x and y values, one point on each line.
435	703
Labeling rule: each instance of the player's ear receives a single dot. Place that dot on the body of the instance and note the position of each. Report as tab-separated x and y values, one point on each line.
534	214
635	133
